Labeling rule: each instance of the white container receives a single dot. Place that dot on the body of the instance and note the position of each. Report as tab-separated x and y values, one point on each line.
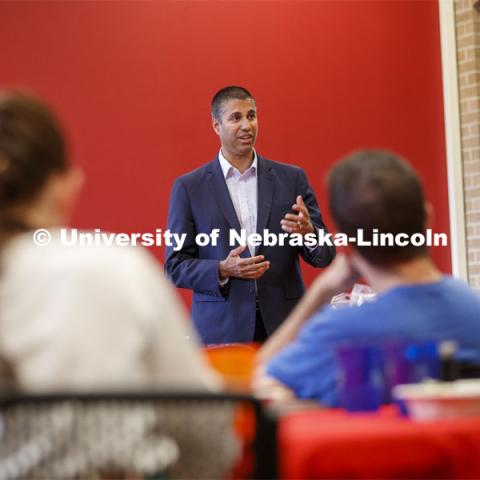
440	400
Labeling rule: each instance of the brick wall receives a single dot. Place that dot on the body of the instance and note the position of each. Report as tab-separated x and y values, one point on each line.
467	21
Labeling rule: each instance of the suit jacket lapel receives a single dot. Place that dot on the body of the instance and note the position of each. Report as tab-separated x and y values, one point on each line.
222	195
265	194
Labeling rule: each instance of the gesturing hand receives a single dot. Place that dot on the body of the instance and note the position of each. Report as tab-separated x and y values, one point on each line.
300	222
248	268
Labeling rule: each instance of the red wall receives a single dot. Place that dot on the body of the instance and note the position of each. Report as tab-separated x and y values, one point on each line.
133	82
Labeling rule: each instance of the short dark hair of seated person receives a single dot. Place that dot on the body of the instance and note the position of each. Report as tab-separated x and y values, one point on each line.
377	190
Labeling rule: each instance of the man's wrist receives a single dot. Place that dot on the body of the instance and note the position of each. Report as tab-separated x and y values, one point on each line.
222	275
312	248
323	287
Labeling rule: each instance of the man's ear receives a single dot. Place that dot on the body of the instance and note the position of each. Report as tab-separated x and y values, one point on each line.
216	125
429	214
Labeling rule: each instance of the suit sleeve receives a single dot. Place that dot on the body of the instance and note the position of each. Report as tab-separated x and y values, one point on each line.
184	267
321	255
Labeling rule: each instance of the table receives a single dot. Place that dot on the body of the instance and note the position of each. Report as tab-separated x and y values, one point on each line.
334	444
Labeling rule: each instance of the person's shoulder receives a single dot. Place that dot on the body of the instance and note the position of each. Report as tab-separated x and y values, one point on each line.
198	174
447	289
449	282
281	167
82	257
460	291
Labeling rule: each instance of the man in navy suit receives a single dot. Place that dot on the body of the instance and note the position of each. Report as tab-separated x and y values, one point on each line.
242	293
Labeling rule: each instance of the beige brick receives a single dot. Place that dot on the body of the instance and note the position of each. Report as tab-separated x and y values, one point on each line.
469	130
469	105
470	118
463	4
471	235
474	217
474	269
469	91
475	49
473	78
464	81
475	205
470	142
467	182
475	152
475	129
468	39
469	169
468	27
467	65
463	11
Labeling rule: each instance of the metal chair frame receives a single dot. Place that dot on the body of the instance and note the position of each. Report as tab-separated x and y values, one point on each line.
264	443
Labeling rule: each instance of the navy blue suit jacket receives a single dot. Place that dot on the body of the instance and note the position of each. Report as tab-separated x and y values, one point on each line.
200	202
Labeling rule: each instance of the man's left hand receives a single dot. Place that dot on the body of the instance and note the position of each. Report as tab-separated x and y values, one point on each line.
299	222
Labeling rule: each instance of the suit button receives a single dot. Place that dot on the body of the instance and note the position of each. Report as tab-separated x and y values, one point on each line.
252	289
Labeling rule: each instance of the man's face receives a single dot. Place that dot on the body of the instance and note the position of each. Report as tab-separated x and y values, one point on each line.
237	126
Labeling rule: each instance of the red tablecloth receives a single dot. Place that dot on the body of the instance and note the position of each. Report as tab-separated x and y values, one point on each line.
334	444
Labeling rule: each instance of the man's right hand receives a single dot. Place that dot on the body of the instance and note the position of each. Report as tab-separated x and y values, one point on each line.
248	268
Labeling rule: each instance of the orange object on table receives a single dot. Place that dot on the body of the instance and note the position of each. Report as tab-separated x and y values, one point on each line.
335	444
234	362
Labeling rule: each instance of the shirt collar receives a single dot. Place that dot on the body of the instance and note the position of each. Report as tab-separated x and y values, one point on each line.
227	167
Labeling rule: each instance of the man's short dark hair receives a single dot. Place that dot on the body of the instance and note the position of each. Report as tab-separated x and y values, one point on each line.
373	189
228	93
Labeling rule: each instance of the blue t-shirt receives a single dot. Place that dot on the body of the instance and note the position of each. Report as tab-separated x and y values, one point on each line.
443	310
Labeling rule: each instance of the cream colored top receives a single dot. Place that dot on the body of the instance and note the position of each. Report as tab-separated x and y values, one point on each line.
94	318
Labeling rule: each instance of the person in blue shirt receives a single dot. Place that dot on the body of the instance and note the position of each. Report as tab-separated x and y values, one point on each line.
377	192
